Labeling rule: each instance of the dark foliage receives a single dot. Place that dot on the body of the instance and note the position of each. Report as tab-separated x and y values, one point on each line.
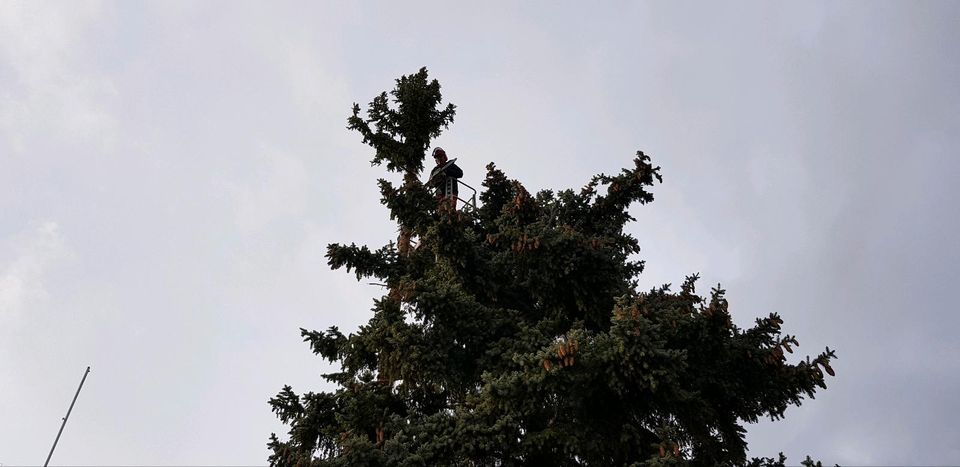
515	334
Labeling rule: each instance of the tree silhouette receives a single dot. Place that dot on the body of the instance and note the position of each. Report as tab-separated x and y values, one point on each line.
514	333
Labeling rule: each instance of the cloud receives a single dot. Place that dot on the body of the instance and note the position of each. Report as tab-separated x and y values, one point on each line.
22	277
276	192
47	83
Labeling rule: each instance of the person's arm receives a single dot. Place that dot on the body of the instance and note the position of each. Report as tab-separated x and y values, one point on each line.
434	180
454	171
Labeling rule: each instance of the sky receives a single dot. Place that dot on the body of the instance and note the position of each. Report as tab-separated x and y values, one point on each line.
171	173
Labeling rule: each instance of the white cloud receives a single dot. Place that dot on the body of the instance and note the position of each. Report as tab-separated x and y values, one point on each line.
22	277
278	191
46	83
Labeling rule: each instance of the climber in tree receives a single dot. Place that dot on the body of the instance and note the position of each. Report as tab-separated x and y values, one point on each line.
443	178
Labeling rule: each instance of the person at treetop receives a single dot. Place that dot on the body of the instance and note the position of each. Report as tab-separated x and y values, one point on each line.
443	177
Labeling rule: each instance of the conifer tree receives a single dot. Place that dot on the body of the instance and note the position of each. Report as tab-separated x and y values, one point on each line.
515	333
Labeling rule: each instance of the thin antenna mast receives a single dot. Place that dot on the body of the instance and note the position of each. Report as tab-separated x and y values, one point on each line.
68	416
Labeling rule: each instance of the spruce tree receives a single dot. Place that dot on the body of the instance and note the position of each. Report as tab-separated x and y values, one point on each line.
515	333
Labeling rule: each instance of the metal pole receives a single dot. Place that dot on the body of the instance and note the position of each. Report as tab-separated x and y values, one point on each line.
65	418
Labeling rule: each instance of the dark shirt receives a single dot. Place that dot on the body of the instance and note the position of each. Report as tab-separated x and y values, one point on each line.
445	182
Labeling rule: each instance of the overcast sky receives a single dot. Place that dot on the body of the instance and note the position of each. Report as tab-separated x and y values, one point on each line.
170	175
